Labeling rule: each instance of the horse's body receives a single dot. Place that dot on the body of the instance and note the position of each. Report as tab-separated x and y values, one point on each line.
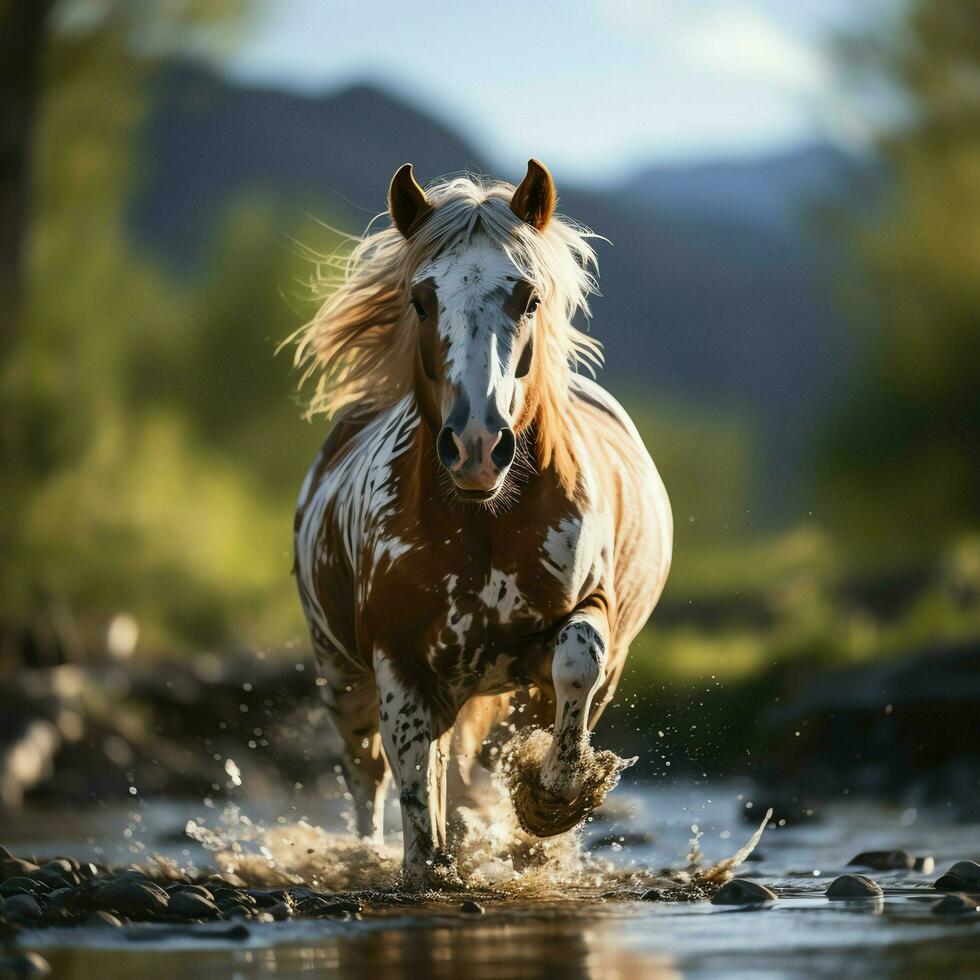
427	611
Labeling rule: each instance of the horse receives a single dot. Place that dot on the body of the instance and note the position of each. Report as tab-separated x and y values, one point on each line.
483	526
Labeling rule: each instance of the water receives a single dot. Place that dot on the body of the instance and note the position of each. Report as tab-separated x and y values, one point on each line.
552	917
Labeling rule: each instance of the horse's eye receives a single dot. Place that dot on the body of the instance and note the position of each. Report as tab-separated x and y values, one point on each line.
419	309
532	306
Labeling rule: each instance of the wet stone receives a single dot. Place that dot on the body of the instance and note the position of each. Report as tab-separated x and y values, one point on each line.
962	876
957	903
23	886
62	866
925	865
190	905
473	908
884	860
21	908
24	965
133	896
279	912
854	886
16	868
103	918
743	891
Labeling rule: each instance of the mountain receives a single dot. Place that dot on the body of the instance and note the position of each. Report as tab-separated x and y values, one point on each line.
713	289
772	192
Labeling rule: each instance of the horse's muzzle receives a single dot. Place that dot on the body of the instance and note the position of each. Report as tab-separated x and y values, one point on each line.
476	458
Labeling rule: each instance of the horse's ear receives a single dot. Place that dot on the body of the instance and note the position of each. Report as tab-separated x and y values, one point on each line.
407	203
535	199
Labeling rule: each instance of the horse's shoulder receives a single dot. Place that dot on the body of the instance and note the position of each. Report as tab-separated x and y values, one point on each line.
601	405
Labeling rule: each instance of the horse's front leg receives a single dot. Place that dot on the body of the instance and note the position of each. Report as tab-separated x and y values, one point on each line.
417	748
577	671
555	783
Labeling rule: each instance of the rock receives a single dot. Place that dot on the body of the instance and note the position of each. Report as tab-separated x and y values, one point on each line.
853	886
135	897
190	905
103	918
16	868
957	903
63	866
192	889
22	908
743	891
884	860
55	879
962	876
279	912
23	886
474	908
25	965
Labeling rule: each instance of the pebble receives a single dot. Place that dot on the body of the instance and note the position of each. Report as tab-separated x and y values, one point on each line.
130	895
21	908
103	918
885	860
16	867
957	903
23	886
962	875
853	886
190	905
743	891
25	965
474	908
279	912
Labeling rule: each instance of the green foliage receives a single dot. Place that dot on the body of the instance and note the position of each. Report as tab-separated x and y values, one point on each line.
902	456
155	441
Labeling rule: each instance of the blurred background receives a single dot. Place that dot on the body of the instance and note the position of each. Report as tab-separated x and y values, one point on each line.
790	311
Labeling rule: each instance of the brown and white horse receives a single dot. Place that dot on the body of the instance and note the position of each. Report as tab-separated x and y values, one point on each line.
483	523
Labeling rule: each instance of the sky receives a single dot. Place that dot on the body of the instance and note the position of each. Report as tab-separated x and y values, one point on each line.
596	87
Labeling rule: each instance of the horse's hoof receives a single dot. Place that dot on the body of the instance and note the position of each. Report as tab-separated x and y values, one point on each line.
543	812
438	873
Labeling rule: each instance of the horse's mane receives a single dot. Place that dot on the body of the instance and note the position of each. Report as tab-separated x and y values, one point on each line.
360	347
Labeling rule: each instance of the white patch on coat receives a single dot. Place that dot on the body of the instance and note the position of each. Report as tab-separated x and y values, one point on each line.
358	489
501	593
572	553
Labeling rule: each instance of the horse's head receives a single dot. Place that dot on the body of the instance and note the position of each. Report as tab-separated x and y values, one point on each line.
476	305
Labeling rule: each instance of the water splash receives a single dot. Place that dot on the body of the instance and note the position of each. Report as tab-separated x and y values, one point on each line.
493	854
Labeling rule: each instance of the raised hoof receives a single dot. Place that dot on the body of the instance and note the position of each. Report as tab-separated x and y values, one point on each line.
543	812
545	815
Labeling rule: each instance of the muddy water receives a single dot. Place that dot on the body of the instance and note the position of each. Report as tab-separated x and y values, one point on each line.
569	910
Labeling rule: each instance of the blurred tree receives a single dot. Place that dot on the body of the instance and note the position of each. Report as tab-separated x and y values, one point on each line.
903	458
79	423
22	30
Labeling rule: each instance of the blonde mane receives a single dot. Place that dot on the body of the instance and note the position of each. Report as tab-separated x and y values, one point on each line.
360	347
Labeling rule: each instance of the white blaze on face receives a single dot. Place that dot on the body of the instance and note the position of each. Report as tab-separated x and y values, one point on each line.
472	280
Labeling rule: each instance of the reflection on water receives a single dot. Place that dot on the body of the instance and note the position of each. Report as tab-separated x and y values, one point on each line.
567	948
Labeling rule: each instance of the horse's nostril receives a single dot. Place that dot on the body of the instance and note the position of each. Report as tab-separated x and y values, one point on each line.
503	452
446	448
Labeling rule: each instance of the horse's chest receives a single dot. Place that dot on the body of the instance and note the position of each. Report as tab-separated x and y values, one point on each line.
475	609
